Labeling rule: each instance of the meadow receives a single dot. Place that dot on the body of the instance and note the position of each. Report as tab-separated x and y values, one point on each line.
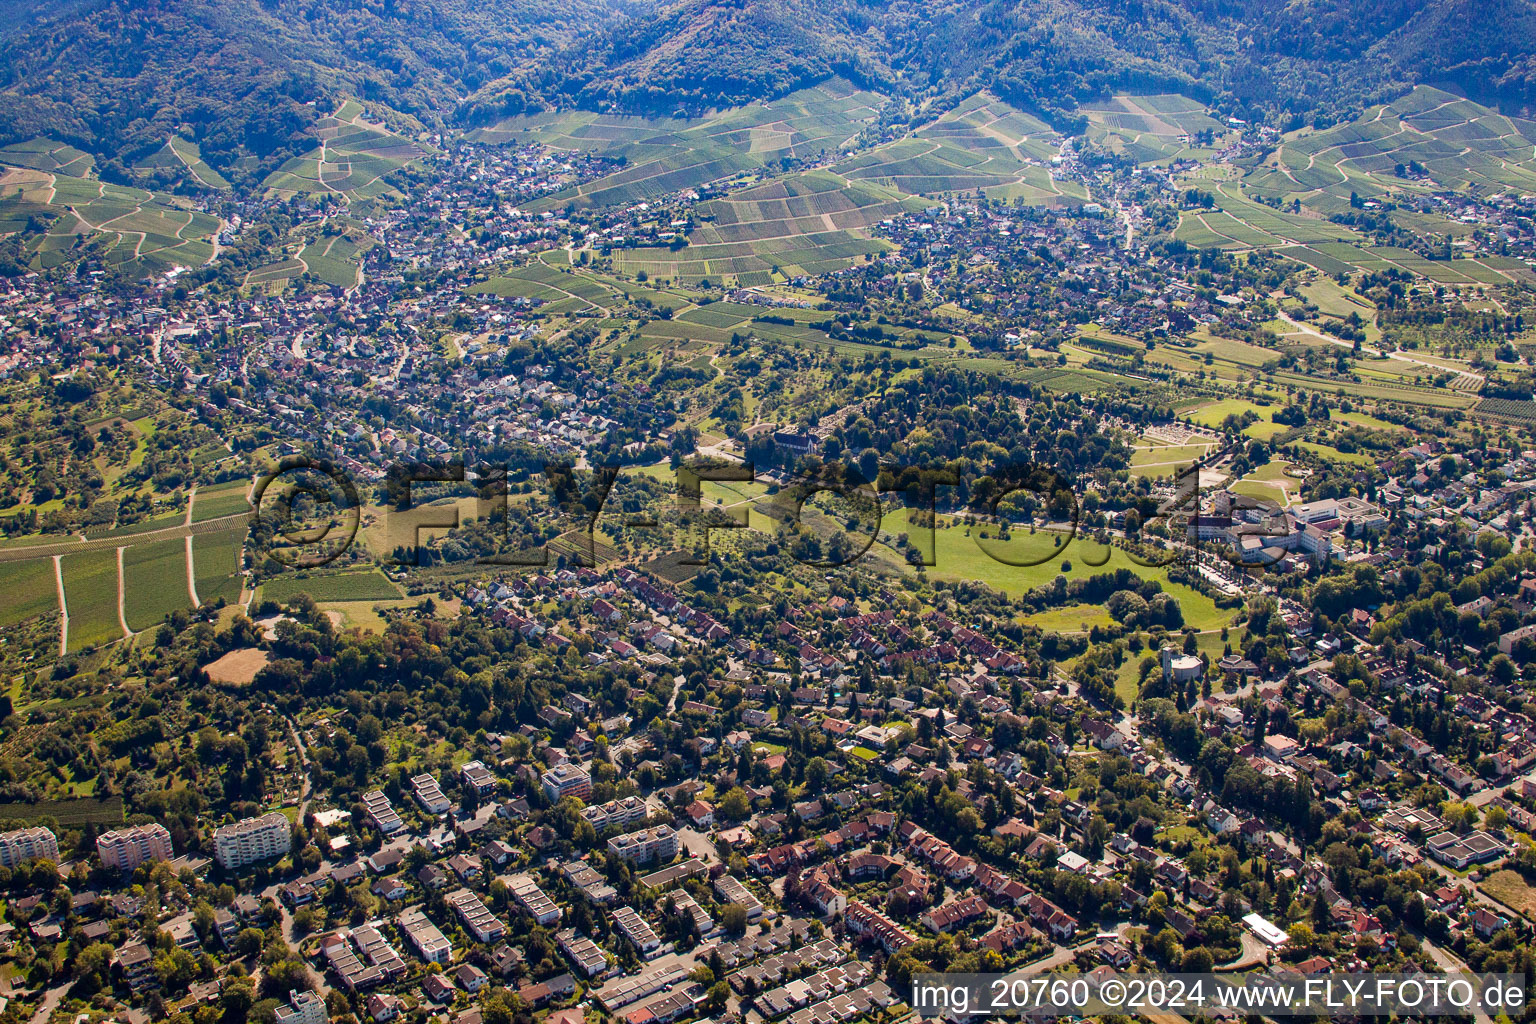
959	556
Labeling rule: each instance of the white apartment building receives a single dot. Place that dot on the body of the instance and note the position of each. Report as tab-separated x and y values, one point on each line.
648	844
303	1008
385	818
253	839
429	794
566	780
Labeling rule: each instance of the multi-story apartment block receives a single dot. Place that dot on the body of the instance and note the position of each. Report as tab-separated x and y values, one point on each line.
28	844
478	777
567	780
385	818
429	794
648	844
476	916
253	839
127	848
303	1008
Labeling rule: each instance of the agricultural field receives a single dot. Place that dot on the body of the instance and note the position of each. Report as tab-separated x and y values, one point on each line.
351	162
1150	129
182	157
216	563
802	223
809	223
154	582
661	156
27	589
982	143
221	501
138	231
90	592
50	156
367	585
1461	144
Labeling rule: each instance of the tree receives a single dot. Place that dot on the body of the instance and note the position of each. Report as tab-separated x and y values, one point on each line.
733	918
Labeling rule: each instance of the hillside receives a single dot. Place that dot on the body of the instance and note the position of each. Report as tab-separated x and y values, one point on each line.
119	79
243	85
1263	56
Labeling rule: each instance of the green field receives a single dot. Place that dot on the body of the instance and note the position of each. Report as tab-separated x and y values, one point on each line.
216	560
1074	618
342	586
154	582
27	589
959	557
218	502
139	232
90	590
68	813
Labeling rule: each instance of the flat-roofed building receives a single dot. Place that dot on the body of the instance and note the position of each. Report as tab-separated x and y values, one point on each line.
566	780
646	845
731	890
383	814
26	844
622	813
478	777
533	899
429	941
429	794
127	848
253	839
586	955
303	1008
476	916
636	930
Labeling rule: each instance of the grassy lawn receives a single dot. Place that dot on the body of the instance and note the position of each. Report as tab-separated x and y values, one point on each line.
958	557
1334	455
1212	415
1074	618
345	587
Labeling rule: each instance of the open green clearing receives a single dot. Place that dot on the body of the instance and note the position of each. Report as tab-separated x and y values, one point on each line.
959	557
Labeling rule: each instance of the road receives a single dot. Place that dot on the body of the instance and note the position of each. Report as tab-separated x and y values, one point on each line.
1311	331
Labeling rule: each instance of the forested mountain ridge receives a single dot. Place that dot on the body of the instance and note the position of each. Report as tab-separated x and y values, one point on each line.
117	78
1304	58
247	81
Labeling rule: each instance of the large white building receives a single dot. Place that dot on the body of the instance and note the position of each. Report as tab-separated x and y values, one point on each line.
567	780
253	839
28	844
648	844
127	848
385	818
1180	668
429	794
303	1008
